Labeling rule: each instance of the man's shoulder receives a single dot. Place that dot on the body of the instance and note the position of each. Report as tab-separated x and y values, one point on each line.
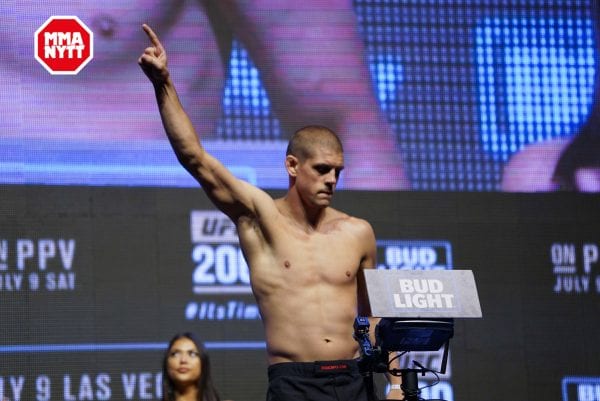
338	215
348	220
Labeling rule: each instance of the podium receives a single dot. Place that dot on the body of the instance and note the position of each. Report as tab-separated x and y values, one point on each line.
417	310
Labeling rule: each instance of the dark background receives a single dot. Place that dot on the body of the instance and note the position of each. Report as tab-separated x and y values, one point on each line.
133	271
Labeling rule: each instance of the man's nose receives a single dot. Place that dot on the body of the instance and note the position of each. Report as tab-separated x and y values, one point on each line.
331	177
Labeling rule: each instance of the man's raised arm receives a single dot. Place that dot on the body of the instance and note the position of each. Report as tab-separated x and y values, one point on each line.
232	196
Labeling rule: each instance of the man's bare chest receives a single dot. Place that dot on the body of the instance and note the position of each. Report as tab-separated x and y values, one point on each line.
316	257
287	250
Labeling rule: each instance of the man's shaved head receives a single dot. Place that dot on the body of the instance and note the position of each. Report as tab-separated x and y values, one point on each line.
305	140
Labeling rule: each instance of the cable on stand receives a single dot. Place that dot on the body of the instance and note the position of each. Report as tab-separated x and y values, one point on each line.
401	335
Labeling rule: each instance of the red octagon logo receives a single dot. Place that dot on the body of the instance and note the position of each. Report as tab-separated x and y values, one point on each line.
63	45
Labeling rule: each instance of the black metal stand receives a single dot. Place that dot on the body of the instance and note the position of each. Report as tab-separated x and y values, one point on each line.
375	359
410	381
410	384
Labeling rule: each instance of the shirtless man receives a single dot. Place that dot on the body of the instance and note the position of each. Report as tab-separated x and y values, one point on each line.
304	256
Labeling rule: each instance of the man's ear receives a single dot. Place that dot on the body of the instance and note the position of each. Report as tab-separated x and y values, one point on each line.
291	165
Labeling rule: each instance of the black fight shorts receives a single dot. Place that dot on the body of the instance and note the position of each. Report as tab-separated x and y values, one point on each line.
316	381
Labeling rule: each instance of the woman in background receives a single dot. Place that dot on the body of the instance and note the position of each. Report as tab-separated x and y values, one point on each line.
186	371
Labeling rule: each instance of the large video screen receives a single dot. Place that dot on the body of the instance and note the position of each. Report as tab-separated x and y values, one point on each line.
435	96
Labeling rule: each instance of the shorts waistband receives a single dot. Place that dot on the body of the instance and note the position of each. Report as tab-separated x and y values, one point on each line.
313	369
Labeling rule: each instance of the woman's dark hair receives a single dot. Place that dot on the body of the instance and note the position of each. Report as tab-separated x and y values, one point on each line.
205	382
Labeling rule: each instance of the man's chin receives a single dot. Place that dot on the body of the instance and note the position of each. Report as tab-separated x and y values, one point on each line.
323	201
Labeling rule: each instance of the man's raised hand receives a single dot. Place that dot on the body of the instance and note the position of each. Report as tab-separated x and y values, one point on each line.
154	59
